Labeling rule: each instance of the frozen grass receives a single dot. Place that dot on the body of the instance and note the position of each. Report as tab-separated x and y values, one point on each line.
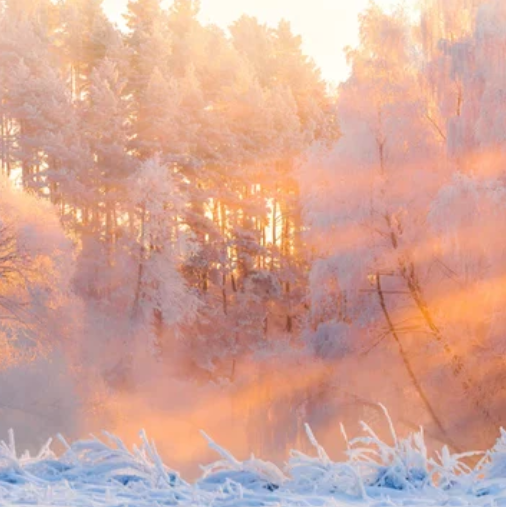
105	472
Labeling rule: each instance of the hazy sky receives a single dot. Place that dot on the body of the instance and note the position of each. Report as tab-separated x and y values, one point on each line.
327	26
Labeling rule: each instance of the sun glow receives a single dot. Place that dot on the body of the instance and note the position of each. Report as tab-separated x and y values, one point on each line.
327	26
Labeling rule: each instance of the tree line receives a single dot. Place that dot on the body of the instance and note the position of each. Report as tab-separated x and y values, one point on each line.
169	150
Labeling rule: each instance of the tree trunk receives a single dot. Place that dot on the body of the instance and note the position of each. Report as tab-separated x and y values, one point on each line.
458	368
140	268
407	364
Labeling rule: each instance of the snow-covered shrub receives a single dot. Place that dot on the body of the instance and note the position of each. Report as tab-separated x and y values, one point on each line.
253	474
321	475
377	473
494	463
375	465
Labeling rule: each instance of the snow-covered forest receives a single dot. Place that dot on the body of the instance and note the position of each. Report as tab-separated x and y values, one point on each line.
198	232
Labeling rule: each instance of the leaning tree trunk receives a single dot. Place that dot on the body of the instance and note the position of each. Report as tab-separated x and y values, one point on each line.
459	370
407	364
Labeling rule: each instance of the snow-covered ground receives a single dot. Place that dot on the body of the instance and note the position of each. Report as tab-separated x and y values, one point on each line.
96	473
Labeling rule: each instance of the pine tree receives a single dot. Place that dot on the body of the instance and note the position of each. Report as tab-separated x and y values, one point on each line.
107	129
161	297
39	122
86	36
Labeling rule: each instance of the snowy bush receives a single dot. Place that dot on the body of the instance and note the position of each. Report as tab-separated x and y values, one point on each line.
98	473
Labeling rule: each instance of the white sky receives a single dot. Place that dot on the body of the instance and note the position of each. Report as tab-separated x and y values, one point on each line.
327	26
